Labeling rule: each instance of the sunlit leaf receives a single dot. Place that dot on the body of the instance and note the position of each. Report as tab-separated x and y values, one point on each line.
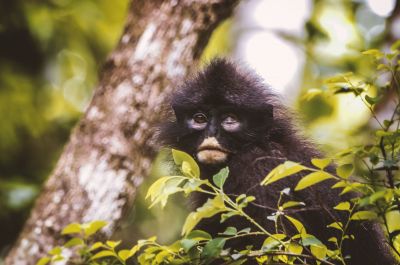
374	52
311	93
284	170
199	235
312	179
321	163
210	208
393	220
292	204
103	254
273	241
336	225
73	228
345	171
92	227
364	215
191	167
318	251
299	226
343	206
43	261
124	254
113	244
74	242
220	177
295	248
395	46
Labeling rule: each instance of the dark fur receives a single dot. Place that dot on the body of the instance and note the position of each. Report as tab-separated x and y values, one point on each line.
268	140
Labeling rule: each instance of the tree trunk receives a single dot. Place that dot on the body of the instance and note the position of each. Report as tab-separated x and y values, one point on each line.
110	150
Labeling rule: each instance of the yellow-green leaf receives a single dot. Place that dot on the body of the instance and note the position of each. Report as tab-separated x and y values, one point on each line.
374	52
103	254
295	248
321	163
73	228
76	241
92	227
273	241
336	225
364	215
393	221
96	246
210	208
191	167
124	254
43	261
318	251
113	244
312	179
284	170
299	226
289	204
345	171
343	206
311	93
395	46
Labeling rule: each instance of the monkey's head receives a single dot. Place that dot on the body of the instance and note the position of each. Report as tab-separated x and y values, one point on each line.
220	113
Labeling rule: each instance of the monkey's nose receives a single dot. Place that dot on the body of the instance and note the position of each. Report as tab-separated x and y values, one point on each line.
212	130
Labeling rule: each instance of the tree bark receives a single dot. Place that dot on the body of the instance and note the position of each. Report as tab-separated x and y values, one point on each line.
110	150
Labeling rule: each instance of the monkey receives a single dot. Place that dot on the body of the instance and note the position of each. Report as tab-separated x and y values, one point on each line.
225	116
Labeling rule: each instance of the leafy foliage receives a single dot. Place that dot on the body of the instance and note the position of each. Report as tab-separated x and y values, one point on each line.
370	170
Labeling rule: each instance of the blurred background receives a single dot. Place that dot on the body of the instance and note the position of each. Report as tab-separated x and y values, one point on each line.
52	50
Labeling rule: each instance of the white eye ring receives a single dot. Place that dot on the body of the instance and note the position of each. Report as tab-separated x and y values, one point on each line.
198	121
230	123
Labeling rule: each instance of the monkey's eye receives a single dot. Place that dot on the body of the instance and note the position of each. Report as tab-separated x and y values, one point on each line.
230	122
199	118
198	121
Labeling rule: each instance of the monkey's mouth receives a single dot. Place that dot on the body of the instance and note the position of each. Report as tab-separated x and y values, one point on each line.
210	152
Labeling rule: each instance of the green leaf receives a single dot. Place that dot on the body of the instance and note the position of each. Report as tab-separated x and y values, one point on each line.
76	241
43	261
73	228
160	190
345	171
113	244
299	226
124	254
230	231
342	78
395	46
199	235
393	221
210	208
336	225
321	163
191	169
319	251
364	215
373	101
92	227
96	246
310	240
213	248
273	241
292	204
220	177
103	254
286	169
312	179
343	206
56	251
295	248
187	244
374	52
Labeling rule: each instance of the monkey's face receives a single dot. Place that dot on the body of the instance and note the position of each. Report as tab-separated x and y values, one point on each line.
214	134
